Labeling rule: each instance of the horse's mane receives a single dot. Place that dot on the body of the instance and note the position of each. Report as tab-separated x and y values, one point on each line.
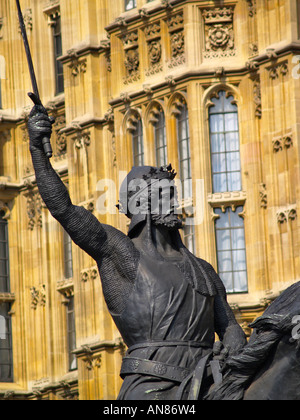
276	322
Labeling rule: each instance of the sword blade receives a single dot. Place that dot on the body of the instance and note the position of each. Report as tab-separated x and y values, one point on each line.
27	51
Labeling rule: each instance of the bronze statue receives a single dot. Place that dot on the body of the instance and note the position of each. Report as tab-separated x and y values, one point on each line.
166	303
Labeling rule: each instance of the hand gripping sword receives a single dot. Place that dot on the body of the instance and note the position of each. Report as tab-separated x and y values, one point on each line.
35	97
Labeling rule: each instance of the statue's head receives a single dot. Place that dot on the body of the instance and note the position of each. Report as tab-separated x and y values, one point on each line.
149	190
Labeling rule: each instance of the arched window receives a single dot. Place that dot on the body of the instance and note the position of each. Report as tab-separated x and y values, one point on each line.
138	144
184	153
160	140
225	144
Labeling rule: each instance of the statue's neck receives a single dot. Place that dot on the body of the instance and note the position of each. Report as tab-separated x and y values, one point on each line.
166	242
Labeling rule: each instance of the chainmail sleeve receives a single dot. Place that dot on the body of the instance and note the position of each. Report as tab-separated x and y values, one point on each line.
114	252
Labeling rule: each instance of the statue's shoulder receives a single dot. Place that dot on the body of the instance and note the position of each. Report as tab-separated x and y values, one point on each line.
213	275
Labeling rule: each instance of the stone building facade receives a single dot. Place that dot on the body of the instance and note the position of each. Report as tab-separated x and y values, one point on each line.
210	86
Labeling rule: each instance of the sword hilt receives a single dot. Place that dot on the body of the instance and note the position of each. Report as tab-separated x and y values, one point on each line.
46	140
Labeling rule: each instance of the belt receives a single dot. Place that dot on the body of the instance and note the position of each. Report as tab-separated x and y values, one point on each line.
135	365
167	343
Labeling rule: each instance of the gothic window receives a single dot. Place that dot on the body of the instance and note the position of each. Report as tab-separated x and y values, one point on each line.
138	144
160	140
57	45
184	154
71	333
231	249
68	259
225	144
130	4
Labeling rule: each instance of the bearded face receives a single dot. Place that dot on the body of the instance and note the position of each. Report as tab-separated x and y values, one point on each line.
163	206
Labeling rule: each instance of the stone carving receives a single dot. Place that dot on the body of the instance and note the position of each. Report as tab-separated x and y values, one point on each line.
278	69
132	58
61	138
1	28
282	142
219	34
89	274
27	16
76	65
82	138
251	7
177	40
34	208
263	196
287	214
38	296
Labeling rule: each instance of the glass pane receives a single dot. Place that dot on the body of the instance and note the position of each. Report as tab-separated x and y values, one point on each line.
217	143
233	161
3	268
2	230
239	260
219	183
231	122
3	250
223	240
228	106
240	282
216	123
130	4
2	328
227	279
3	285
224	261
232	142
222	221
234	181
235	219
238	239
218	104
219	162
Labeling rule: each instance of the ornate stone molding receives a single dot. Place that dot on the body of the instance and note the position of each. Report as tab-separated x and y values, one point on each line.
27	16
34	207
287	214
89	274
153	39
1	27
251	7
277	69
77	65
227	199
82	138
284	142
175	25
38	296
263	196
219	34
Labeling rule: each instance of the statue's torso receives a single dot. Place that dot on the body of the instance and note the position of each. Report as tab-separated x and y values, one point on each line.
163	305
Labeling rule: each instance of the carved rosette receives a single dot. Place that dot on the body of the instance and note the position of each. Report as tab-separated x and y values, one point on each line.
219	34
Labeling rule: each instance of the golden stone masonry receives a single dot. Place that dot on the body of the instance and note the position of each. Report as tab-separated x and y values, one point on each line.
212	87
